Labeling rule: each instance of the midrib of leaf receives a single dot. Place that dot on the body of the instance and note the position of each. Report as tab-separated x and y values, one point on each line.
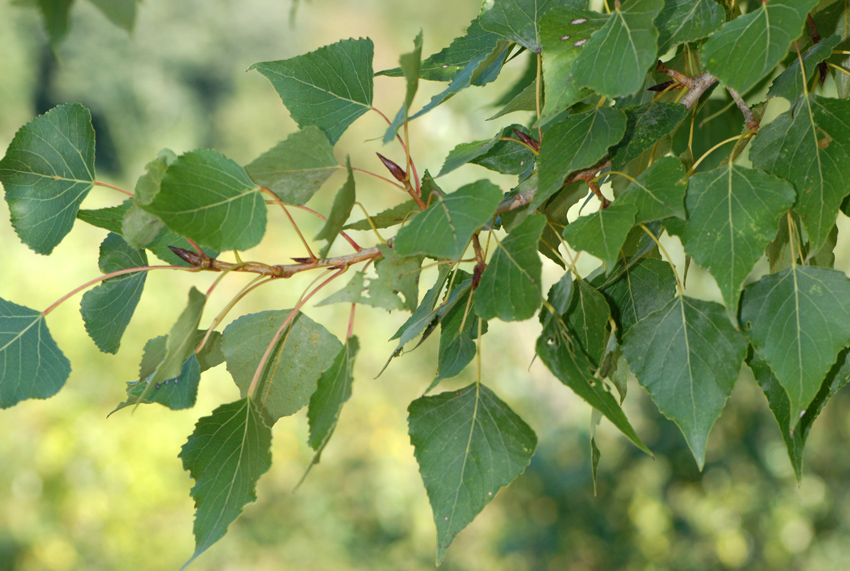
27	328
767	27
631	294
220	203
466	454
688	358
686	19
731	225
817	148
512	260
316	87
629	33
799	329
449	218
271	368
61	155
239	462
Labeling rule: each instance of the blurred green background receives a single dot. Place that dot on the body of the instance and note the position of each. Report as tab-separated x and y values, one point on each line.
80	491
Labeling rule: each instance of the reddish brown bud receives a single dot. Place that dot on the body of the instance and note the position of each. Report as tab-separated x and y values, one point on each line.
527	140
394	169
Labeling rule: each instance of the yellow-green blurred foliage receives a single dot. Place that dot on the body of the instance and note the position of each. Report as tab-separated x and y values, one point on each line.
80	491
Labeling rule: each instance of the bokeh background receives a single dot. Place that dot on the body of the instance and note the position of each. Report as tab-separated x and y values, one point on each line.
80	491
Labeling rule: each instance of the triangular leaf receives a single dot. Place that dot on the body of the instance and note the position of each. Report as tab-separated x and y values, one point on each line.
225	455
659	192
777	398
332	390
444	228
294	366
387	218
602	233
733	212
340	211
811	150
586	318
209	198
47	172
329	88
640	290
31	364
798	320
789	84
616	59
506	157
750	46
682	21
577	143
519	20
563	32
459	328
108	308
178	393
687	355
510	286
469	444
296	168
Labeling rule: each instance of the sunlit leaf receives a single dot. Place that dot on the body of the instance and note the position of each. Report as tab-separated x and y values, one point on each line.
329	88
410	67
209	198
750	46
458	331
225	455
469	444
798	320
510	287
506	157
659	192
387	218
122	13
602	233
332	390
733	212
444	228
108	308
47	172
297	360
687	355
789	84
31	364
615	60
811	150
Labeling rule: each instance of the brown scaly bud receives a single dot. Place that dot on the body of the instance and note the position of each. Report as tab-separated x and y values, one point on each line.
527	140
190	257
476	274
394	169
667	85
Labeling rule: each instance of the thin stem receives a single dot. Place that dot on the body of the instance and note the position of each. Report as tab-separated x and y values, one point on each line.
113	187
194	245
746	135
794	241
348	238
292	314
114	274
667	257
350	331
385	179
280	203
404	148
838	67
538	96
252	285
749	119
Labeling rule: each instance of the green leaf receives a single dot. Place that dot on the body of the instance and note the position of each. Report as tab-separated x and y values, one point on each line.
798	320
294	366
445	64
777	398
586	319
108	308
31	364
459	329
682	21
386	218
563	32
410	66
616	59
519	20
178	393
296	168
181	343
469	444
398	274
716	120
733	213
139	227
687	355
329	88
602	233
122	13
47	172
647	124
510	285
525	100
638	291
481	70
750	46
659	192
55	14
425	313
209	198
333	389
340	211
575	144
506	157
789	84
811	150
225	455
571	367
444	228
556	209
